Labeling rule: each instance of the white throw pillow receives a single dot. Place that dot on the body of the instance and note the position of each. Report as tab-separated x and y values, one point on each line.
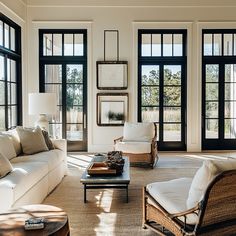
204	176
32	140
13	135
5	166
6	147
143	132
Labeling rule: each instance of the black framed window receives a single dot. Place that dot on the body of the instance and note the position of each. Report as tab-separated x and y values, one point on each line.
63	70
10	74
161	85
219	89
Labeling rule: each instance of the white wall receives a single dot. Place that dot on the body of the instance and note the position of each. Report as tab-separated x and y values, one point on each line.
127	17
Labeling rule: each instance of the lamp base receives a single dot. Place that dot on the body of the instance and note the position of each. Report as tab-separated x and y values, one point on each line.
42	122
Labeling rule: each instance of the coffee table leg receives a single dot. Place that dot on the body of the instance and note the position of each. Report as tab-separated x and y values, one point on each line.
85	200
127	194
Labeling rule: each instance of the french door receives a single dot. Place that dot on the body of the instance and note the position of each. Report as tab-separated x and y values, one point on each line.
161	85
63	70
219	89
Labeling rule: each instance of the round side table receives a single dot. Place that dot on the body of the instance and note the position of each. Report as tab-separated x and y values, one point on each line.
13	221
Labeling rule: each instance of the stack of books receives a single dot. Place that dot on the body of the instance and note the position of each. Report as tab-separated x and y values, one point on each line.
34	223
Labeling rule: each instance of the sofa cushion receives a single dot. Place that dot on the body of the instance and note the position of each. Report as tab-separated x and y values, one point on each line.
47	140
138	132
13	135
52	158
133	147
23	177
6	147
172	196
204	175
5	166
32	140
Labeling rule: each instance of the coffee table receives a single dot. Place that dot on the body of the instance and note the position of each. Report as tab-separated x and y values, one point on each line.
13	221
103	182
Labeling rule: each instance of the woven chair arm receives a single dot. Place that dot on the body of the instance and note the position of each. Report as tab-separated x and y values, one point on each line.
184	213
118	139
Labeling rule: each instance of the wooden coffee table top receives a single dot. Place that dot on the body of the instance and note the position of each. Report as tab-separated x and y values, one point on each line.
12	222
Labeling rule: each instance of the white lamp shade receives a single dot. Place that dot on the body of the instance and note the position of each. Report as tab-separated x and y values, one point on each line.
42	103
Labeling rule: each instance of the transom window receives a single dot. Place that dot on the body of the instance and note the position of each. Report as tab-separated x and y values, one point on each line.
10	73
161	85
63	44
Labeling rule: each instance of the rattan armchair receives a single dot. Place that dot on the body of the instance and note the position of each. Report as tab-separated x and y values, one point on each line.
216	213
148	158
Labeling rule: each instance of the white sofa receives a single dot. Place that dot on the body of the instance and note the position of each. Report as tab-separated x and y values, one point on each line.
33	176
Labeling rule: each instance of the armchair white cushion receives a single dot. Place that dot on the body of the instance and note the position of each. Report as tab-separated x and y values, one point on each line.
134	147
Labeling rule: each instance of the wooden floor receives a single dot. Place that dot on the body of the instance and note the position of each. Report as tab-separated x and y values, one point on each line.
107	212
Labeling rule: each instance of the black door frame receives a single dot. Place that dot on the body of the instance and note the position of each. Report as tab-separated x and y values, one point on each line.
221	143
161	62
63	61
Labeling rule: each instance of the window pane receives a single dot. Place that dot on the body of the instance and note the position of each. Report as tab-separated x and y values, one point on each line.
2	71
57	44
8	69
230	73
228	44
12	114
2	93
150	114
13	39
167	44
74	73
172	132
172	114
1	33
217	45
207	44
55	130
56	118
53	73
212	73
230	109
212	109
68	44
74	132
230	91
156	45
146	44
74	95
47	44
150	96
13	93
172	75
6	35
150	75
230	128
54	88
211	128
172	96
13	71
178	45
234	44
74	115
79	45
2	118
212	91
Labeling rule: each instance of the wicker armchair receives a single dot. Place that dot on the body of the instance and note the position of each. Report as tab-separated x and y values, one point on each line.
214	215
139	151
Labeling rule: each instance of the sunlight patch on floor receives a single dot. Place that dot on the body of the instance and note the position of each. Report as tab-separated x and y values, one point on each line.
106	225
104	200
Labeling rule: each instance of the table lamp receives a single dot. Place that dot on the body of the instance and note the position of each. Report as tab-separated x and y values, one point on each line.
42	104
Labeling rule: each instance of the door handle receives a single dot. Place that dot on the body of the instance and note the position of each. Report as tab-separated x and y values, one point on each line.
85	121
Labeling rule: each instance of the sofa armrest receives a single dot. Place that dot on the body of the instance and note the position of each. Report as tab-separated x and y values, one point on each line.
60	144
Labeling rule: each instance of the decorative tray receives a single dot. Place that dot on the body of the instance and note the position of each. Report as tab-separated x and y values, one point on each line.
100	168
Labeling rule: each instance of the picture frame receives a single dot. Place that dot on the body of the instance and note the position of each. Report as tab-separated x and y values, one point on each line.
112	109
112	75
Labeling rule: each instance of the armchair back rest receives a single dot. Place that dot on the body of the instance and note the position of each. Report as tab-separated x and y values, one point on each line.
219	202
143	132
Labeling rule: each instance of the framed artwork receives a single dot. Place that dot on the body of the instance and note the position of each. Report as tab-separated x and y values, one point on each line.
112	75
112	109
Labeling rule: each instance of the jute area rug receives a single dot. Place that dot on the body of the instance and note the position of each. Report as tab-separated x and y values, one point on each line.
107	212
